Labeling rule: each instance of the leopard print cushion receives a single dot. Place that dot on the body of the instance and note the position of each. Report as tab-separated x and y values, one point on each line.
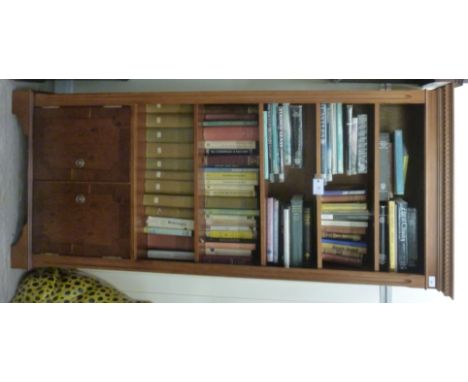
65	285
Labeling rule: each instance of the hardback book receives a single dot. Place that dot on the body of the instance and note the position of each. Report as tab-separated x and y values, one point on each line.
386	167
169	175
266	148
168	187
353	147
343	198
349	139
168	109
362	144
169	135
231	234
269	124
230	109
231	182
169	164
297	135
230	145
169	150
154	221
342	260
234	228
230	220
230	192
182	213
297	223
227	252
344	192
286	237
230	202
344	223
333	138
229	211
323	138
339	138
281	143
238	186
168	231
287	134
342	246
392	236
383	245
346	216
230	173
229	123
275	138
398	162
327	230
402	234
231	161
327	207
167	120
238	133
170	255
231	151
342	236
230	117
412	238
270	229
307	239
237	246
276	231
173	201
168	242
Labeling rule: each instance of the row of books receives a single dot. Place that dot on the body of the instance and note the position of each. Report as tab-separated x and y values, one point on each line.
230	183
343	141
168	198
398	236
289	234
344	227
393	164
283	139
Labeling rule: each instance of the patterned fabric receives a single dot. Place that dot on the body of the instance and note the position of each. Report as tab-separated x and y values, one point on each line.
65	285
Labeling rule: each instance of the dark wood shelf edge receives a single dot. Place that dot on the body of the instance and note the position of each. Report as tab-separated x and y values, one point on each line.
242	271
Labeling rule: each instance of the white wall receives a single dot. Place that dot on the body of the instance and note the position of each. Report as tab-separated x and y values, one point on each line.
184	288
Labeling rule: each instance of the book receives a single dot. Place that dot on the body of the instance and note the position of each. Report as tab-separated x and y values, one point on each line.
182	213
169	175
273	115
168	242
231	161
339	139
323	138
362	144
333	138
231	133
344	260
153	221
230	117
169	255
398	153
169	150
265	147
307	239
269	125
229	123
287	134
227	252
231	182
402	235
231	151
229	211
328	229
386	164
169	135
276	231
231	234
168	231
230	192
344	207
167	120
349	139
297	135
230	109
167	109
169	164
224	245
174	201
383	244
342	236
353	147
270	230
344	193
343	198
296	229
230	220
412	238
229	173
286	237
229	145
392	248
234	228
344	223
168	187
345	216
281	143
231	202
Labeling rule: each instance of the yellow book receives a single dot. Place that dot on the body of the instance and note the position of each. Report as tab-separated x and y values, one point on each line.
344	207
247	175
163	109
169	187
181	213
391	236
231	234
169	150
168	120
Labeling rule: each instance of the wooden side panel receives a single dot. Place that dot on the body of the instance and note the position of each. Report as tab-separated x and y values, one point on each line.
82	144
81	219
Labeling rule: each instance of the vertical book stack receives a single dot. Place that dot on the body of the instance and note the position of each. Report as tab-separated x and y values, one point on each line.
168	198
230	183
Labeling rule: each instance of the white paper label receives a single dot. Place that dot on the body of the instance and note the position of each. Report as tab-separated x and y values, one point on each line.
159	150
318	186
158	186
158	164
158	134
156	200
432	281
158	120
158	106
158	174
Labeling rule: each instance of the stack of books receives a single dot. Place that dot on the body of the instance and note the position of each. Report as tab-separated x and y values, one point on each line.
168	198
344	221
343	141
230	184
288	235
398	221
283	139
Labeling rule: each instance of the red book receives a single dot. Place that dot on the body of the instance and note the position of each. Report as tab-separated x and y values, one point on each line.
170	242
231	117
231	160
228	133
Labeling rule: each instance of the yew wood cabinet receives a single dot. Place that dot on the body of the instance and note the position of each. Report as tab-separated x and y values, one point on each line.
86	181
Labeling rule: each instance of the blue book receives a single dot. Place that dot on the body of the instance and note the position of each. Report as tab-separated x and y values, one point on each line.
357	244
339	138
398	155
323	138
167	231
265	145
275	138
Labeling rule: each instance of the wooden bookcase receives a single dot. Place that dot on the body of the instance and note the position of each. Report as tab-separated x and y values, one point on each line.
110	231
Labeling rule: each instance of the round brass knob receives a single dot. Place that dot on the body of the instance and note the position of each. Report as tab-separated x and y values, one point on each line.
80	163
80	199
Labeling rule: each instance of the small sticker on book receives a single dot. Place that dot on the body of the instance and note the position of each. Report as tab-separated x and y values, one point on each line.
158	119
158	134
318	186
158	106
158	186
158	164
156	200
158	174
159	150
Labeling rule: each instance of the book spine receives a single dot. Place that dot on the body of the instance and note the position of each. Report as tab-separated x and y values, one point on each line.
231	234
232	212
296	231
236	246
183	213
169	120
231	151
227	252
270	143
230	117
343	223
391	236
169	175
334	140
169	242
362	144
275	231
168	231
349	135
398	157
323	139
412	238
298	152
228	202
169	135
287	134
265	146
231	133
174	201
229	145
385	167
229	123
230	161
329	144
169	223
270	226
170	187
286	237
307	239
169	164
383	261
170	255
339	127
344	198
226	193
275	138
402	259
281	143
234	260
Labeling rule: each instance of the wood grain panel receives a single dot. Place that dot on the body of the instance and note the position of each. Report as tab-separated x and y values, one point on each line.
98	136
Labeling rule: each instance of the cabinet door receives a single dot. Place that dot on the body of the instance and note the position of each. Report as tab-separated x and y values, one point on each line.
439	190
82	144
81	219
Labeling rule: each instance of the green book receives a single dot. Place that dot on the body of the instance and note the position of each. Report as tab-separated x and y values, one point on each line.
221	202
229	123
228	211
169	150
169	135
169	187
169	164
169	175
173	201
167	212
169	120
297	223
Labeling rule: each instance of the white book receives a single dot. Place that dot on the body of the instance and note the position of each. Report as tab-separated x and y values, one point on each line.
349	133
169	223
228	252
243	145
286	236
344	223
169	255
